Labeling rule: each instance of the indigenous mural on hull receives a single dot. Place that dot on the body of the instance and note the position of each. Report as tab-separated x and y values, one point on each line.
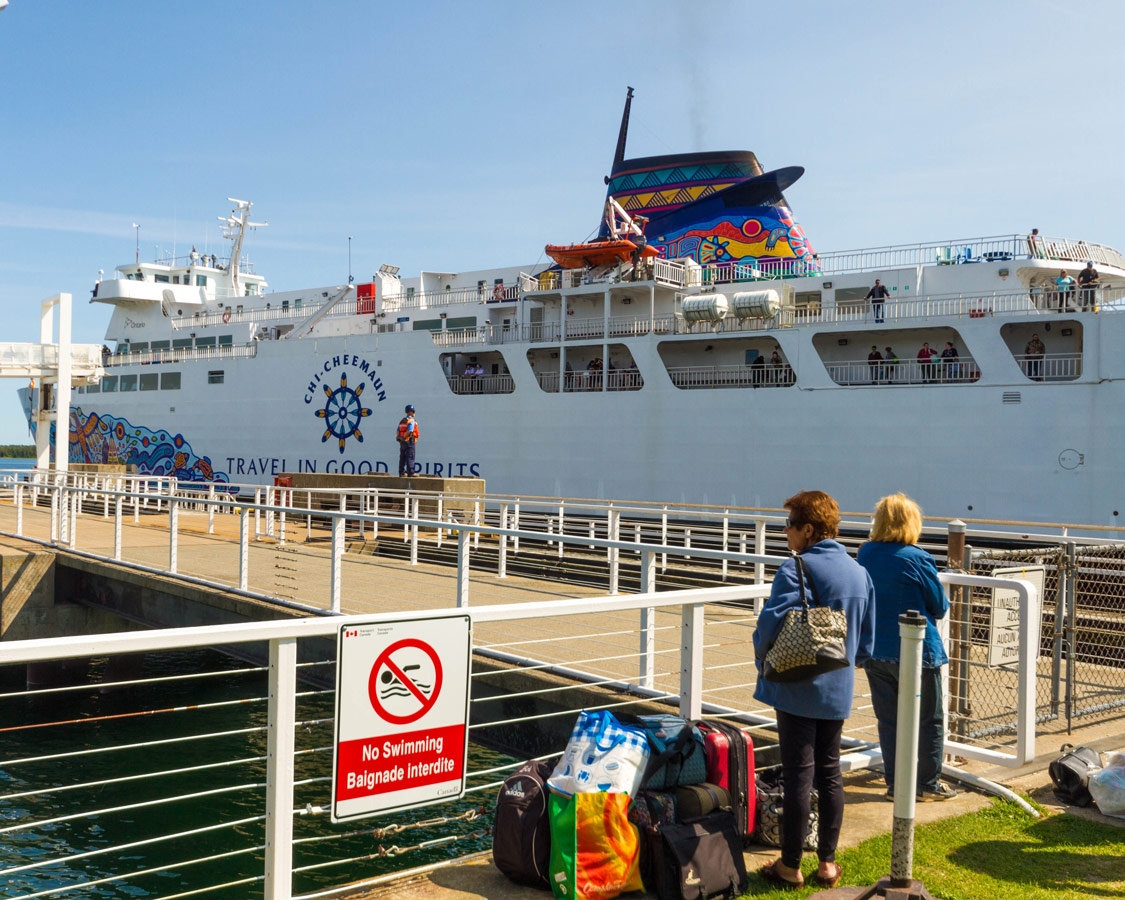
712	207
101	438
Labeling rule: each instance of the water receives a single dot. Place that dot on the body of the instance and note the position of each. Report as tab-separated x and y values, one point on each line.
107	718
11	462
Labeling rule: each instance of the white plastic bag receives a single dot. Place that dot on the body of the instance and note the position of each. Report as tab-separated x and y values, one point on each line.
1107	787
602	755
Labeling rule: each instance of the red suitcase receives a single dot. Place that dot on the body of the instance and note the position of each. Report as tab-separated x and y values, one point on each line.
730	764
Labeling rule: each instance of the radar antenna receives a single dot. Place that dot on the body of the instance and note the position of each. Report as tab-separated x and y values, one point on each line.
234	229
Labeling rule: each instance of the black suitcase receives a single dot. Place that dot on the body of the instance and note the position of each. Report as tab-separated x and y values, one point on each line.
1070	774
699	860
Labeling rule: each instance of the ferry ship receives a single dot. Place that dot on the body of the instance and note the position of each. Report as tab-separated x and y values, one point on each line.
733	367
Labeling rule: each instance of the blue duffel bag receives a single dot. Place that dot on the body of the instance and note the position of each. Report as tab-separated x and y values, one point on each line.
678	756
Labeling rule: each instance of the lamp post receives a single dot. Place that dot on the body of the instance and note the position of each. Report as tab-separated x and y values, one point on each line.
350	278
138	228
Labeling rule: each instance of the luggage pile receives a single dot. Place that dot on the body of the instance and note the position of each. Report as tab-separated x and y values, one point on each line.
637	802
1080	779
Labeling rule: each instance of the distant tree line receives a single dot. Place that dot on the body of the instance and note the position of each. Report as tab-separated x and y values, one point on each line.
18	451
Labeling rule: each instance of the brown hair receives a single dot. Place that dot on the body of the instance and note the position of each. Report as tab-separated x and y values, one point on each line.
817	509
898	520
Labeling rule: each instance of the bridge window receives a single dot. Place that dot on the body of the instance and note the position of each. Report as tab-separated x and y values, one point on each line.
201	281
205	341
427	324
161	279
181	344
93	389
169	381
139	347
109	384
128	383
161	345
216	377
226	340
150	381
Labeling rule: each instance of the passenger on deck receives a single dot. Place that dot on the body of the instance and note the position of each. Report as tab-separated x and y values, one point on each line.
951	368
1088	282
194	254
890	365
877	295
1064	285
594	374
776	367
875	364
1033	244
1033	361
758	370
925	357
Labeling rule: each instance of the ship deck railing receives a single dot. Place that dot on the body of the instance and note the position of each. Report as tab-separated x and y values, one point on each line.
966	251
733	376
481	384
181	354
592	380
960	370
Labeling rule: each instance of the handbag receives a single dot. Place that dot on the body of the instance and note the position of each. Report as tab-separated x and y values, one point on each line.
595	849
699	860
1070	774
771	812
812	640
678	756
602	755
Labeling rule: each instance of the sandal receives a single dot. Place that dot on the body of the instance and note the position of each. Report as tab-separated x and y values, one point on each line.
773	875
826	882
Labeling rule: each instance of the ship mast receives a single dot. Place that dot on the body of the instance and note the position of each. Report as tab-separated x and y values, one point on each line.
619	155
234	229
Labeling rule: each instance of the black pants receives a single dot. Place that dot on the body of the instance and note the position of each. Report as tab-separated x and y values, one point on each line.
810	754
406	458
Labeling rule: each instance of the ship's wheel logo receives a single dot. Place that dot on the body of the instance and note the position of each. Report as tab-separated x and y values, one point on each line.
342	413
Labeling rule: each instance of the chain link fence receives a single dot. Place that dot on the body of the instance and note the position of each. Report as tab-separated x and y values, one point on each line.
1081	669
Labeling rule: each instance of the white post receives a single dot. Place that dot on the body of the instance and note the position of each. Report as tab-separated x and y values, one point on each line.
19	509
462	569
502	565
687	542
414	535
911	629
664	538
562	524
72	530
375	512
440	514
173	526
691	661
211	508
337	556
117	502
614	527
760	549
243	548
648	622
54	513
308	517
270	495
283	496
105	499
257	512
280	744
726	534
62	389
136	503
516	525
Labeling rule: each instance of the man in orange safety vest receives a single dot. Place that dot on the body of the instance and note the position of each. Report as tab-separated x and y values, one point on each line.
407	436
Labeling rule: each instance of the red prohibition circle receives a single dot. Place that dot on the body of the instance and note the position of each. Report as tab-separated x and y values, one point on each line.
384	659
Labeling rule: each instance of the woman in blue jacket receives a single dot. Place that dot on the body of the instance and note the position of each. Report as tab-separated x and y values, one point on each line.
811	713
905	577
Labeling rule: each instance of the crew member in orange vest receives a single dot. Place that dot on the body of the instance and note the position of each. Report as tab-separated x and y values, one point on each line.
407	437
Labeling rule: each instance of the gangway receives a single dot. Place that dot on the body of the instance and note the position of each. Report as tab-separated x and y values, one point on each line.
58	366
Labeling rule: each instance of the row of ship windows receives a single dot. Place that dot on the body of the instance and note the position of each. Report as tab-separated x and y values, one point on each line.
148	381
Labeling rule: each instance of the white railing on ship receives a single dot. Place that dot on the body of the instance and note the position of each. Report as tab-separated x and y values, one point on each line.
185	354
691	377
481	384
954	252
961	370
1051	366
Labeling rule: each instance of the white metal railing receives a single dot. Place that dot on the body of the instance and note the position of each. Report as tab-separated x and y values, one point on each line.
183	354
481	384
40	357
958	370
952	252
694	377
651	645
1050	366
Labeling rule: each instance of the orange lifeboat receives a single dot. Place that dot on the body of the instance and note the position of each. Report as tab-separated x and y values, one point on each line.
596	253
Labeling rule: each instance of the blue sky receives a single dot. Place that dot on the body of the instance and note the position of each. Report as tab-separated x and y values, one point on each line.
458	136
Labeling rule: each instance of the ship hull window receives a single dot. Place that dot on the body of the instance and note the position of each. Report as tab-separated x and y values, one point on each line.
150	382
169	381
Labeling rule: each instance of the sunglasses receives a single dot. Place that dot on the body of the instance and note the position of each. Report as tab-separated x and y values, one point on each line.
789	523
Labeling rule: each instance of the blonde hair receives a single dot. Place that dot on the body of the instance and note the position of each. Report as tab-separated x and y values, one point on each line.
898	520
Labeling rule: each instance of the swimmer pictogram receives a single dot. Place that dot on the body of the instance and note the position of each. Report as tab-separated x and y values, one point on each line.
405	681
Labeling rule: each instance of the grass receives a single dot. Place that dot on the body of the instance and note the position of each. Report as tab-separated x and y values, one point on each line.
999	853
